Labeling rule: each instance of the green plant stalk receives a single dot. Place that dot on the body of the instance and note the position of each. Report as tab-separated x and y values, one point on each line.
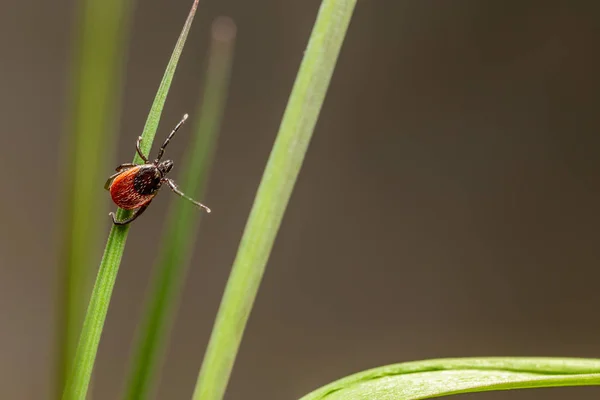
95	98
273	195
85	355
435	378
181	231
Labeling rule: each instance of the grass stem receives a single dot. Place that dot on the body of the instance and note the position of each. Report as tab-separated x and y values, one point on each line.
273	194
78	381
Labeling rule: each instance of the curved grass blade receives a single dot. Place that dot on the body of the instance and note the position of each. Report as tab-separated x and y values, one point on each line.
183	220
273	195
435	378
95	97
78	381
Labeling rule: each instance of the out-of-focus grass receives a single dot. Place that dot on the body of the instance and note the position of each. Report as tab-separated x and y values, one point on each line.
273	195
82	366
182	223
96	71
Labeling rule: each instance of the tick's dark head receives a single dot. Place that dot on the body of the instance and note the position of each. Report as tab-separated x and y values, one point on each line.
165	166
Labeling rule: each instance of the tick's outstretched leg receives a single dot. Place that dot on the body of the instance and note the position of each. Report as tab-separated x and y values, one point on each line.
125	166
175	189
139	150
136	214
161	151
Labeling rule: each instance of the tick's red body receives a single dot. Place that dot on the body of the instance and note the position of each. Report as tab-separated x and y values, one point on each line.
134	186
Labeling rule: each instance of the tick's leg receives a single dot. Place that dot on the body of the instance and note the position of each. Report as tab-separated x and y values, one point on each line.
139	150
125	166
110	179
136	214
178	192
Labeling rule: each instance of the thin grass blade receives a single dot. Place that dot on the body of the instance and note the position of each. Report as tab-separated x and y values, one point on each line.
182	224
273	195
434	378
79	378
96	73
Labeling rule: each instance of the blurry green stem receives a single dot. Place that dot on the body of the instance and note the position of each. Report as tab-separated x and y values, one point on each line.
97	74
273	195
183	218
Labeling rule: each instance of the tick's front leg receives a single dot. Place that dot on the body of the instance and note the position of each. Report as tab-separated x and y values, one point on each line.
139	150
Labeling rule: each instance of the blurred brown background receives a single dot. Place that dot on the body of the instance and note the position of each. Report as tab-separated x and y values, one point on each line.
448	205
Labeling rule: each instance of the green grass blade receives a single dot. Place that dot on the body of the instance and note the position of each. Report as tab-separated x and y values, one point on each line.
95	98
273	195
163	90
183	220
435	378
79	378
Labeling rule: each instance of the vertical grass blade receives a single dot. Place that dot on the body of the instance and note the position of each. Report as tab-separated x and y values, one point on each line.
95	97
183	220
85	355
273	195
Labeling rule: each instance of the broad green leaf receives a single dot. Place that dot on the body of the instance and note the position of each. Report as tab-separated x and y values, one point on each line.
435	378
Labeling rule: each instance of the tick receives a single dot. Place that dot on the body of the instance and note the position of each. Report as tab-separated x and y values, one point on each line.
134	186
